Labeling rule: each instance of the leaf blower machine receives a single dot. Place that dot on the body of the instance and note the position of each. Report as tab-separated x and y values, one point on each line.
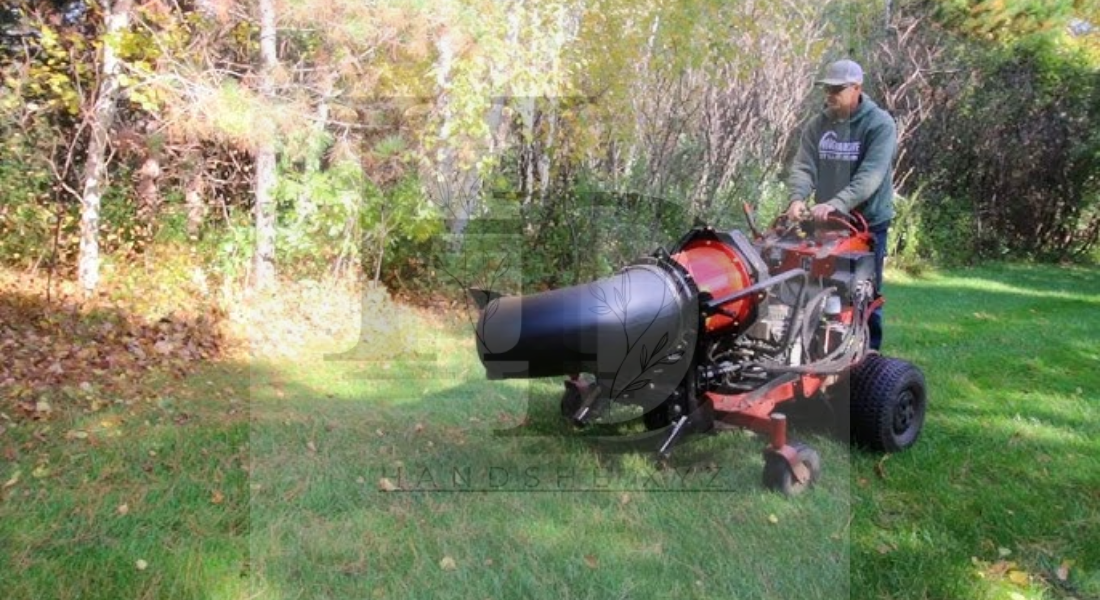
718	331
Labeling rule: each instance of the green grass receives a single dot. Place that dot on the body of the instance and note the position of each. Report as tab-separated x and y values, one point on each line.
1010	457
92	494
1001	492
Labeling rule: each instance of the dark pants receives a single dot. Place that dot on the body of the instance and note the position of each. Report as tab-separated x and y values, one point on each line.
879	231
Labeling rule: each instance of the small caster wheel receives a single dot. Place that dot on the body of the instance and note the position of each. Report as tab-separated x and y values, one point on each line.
570	402
779	477
574	398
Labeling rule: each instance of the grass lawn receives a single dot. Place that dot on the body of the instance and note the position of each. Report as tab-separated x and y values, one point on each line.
198	493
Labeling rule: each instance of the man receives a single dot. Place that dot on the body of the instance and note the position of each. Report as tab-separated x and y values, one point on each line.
846	157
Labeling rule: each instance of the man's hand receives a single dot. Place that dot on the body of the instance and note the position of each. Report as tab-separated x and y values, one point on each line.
822	211
797	211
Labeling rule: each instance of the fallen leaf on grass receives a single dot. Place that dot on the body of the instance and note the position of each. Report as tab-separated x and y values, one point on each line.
1003	552
591	561
880	467
217	497
386	485
624	499
448	564
419	427
14	480
774	520
1018	577
1063	571
123	509
311	447
141	565
1001	567
41	471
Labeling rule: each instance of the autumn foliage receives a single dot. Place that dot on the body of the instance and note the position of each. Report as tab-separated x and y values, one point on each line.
60	352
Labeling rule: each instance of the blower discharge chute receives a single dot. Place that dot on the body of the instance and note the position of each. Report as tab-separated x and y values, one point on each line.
719	328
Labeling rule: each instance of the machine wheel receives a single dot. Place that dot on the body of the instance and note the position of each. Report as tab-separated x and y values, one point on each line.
570	402
572	399
779	477
888	403
668	412
657	418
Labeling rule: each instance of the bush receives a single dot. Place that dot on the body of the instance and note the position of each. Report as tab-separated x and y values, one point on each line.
1013	153
28	210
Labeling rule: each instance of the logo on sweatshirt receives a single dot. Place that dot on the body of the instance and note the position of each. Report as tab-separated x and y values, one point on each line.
829	148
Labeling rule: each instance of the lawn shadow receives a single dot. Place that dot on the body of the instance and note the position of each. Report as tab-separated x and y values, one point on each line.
486	472
116	481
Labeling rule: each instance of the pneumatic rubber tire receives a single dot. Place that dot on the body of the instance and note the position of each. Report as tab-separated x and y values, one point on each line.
888	404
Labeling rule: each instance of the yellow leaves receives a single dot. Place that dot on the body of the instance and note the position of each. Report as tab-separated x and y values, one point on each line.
48	37
1012	573
448	564
1020	578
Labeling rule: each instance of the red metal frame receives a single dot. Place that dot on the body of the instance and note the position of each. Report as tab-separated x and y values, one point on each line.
755	410
719	270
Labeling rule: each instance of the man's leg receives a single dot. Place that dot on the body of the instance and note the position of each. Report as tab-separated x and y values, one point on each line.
880	258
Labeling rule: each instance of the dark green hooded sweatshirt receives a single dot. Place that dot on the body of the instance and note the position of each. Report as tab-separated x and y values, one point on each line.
849	163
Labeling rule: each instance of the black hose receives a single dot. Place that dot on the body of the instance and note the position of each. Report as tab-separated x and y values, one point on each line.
836	361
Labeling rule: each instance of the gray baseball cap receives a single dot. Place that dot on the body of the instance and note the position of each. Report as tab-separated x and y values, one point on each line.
842	72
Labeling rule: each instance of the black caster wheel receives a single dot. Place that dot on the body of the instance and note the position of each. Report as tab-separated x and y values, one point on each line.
779	477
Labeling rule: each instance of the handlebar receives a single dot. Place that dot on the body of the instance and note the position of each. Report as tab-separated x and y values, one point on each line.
782	226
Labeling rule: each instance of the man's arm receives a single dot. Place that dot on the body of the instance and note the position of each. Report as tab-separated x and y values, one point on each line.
882	143
803	176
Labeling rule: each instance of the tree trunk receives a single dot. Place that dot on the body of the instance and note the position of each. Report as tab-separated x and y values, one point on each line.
95	166
196	209
263	258
148	195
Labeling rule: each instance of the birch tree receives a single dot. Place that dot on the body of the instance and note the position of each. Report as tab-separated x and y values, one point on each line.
117	16
263	258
